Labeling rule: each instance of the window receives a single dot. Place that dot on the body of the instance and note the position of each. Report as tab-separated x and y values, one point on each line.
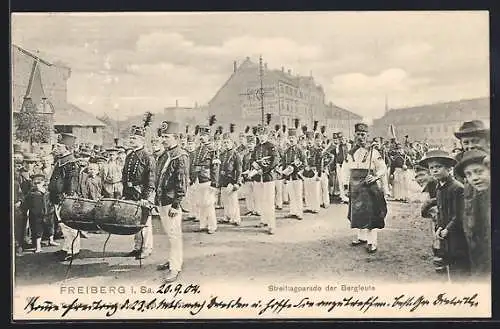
94	130
430	130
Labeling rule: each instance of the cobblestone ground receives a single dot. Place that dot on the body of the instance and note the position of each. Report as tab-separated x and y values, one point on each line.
315	248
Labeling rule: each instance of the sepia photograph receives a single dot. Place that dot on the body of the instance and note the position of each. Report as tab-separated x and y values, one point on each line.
250	165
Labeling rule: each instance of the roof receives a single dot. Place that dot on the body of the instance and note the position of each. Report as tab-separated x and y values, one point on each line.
71	115
336	110
464	104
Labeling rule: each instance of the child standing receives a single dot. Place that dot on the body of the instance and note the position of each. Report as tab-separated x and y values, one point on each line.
38	206
450	204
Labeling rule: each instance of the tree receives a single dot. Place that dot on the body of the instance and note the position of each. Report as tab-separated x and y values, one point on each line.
32	127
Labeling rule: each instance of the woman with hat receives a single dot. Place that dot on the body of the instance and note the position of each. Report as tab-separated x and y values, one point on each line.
475	168
449	232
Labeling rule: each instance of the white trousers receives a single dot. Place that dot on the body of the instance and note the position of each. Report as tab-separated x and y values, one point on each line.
231	204
173	229
400	189
325	192
69	235
205	206
286	197
188	201
295	188
258	197
268	215
279	193
342	191
249	196
370	236
312	193
147	236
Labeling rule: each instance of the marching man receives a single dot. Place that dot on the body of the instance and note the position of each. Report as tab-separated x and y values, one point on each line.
312	175
172	174
324	190
264	160
229	180
203	179
249	183
293	163
367	205
138	177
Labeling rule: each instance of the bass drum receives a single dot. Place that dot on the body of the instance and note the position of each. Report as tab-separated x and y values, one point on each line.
78	213
120	217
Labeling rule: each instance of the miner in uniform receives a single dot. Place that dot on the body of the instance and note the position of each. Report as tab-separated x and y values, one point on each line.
367	205
312	175
189	200
249	183
63	183
229	180
138	178
279	179
264	160
342	152
324	190
330	165
293	162
203	179
172	177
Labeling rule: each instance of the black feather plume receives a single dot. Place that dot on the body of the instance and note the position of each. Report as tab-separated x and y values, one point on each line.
187	129
315	127
148	118
196	129
284	128
296	123
219	129
304	129
323	129
254	130
277	127
212	120
231	128
268	118
247	129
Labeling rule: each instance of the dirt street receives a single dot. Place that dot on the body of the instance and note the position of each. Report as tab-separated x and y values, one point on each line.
317	247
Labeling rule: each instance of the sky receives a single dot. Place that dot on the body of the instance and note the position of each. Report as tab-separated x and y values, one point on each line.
129	63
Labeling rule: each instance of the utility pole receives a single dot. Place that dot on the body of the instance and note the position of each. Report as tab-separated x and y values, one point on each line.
261	73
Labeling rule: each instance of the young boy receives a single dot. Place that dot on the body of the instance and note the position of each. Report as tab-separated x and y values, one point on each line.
38	205
449	224
474	167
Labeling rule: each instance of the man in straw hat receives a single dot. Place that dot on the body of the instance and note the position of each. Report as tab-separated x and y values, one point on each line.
63	181
449	233
264	160
475	168
138	178
172	176
203	180
362	172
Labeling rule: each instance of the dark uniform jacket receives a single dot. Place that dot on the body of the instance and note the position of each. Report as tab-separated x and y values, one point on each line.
246	164
313	162
296	157
203	166
329	158
230	168
138	175
450	204
172	174
477	229
398	160
241	149
342	153
265	156
63	179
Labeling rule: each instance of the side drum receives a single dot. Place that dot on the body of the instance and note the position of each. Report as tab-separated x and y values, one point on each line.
120	217
78	213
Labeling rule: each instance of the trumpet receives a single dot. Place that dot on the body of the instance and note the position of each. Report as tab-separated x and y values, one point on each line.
261	162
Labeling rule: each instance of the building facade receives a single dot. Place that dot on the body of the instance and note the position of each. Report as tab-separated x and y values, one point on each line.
286	97
435	123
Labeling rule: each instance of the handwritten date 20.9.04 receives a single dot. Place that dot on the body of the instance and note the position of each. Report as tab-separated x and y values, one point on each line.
174	289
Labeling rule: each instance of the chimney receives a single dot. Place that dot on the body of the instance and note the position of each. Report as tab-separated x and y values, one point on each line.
290	72
282	69
235	66
176	103
265	66
195	105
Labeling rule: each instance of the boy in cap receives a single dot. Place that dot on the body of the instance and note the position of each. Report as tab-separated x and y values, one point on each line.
138	179
37	204
172	176
475	168
63	182
362	173
449	231
112	176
